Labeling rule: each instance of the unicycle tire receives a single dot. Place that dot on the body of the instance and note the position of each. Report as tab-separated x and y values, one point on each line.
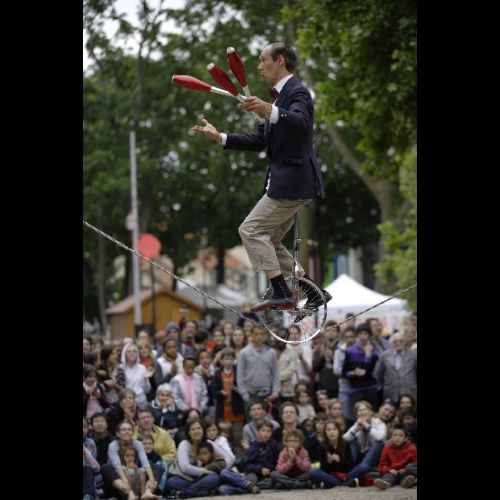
311	321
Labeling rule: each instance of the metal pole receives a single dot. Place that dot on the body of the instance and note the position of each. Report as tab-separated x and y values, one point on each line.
135	233
153	299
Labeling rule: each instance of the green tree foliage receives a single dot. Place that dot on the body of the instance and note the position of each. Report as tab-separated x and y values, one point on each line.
369	50
187	183
362	55
400	264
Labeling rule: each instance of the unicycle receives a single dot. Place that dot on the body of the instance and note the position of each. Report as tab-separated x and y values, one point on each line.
311	321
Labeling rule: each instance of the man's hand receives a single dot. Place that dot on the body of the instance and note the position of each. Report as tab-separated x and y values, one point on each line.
207	129
257	105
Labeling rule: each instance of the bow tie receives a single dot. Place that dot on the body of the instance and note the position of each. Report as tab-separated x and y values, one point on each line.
274	94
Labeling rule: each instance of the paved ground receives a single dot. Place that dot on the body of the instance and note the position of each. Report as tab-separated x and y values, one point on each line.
339	493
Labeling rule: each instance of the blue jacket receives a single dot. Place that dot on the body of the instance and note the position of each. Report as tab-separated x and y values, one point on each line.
260	455
294	170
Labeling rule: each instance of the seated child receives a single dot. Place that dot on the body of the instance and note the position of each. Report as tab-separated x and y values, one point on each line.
135	476
261	458
398	462
232	482
158	464
306	409
292	471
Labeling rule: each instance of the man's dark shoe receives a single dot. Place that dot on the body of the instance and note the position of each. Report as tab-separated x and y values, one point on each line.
281	302
317	302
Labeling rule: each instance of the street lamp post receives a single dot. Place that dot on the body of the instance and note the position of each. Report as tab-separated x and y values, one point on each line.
134	223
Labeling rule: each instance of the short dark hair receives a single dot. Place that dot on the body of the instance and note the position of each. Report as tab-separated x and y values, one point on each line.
205	445
265	423
146	409
95	415
285	50
398	427
363	328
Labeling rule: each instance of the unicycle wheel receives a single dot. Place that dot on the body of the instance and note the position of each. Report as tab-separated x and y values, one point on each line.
311	321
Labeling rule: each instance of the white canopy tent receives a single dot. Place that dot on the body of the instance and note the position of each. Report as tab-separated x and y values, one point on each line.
349	296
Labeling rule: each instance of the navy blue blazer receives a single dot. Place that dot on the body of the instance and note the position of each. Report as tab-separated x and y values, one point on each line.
294	170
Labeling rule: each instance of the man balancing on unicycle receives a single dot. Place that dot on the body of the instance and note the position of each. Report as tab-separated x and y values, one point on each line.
293	177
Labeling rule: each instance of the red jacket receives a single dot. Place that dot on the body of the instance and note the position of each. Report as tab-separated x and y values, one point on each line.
397	457
293	466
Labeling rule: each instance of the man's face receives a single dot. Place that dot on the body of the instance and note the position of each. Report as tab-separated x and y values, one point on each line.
145	421
288	415
269	70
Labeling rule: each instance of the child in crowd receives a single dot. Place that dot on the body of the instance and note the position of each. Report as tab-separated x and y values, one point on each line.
335	457
292	471
205	457
232	482
319	425
257	414
158	464
135	475
214	435
228	402
205	369
261	457
398	462
409	420
94	400
306	409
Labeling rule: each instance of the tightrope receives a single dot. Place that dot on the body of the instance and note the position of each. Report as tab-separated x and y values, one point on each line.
167	271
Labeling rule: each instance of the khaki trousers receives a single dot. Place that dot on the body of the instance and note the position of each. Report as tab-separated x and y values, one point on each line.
264	228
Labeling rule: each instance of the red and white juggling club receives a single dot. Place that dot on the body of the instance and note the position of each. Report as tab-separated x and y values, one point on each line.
222	78
238	69
192	83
